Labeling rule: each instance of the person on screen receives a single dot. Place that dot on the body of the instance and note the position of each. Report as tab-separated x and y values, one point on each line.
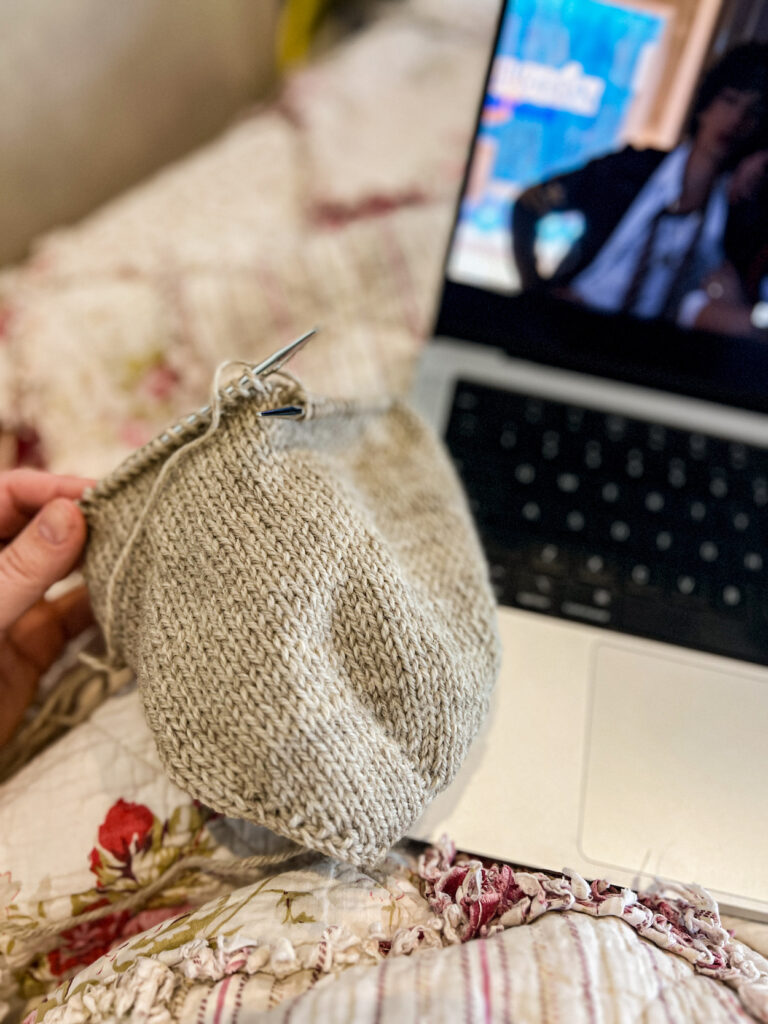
733	299
654	221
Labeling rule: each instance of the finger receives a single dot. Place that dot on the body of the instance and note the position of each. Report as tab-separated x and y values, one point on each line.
74	612
18	683
42	633
24	491
44	552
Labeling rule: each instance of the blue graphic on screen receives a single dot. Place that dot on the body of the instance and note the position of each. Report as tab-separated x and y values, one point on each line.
563	81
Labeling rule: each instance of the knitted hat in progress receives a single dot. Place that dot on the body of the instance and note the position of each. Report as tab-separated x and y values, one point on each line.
306	607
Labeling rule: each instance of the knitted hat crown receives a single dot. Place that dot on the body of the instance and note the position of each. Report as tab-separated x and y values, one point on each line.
306	608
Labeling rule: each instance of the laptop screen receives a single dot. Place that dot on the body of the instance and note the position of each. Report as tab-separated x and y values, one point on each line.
614	213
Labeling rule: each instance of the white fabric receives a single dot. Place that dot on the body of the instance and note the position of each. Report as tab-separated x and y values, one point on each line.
391	115
328	216
275	941
51	811
604	283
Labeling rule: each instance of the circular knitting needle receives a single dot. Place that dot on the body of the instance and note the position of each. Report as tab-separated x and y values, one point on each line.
270	365
285	412
276	361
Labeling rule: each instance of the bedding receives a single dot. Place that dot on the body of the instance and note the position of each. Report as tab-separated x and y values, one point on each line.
126	900
117	323
120	897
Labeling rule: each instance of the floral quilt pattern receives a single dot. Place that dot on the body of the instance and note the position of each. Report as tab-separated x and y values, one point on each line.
133	849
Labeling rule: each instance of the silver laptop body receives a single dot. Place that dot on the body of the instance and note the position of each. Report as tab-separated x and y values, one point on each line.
628	733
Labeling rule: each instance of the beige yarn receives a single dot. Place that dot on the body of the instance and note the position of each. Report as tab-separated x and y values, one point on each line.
307	610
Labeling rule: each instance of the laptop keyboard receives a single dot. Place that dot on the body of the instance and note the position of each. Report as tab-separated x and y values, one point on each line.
615	522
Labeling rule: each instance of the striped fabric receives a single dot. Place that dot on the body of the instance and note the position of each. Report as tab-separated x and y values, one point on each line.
561	970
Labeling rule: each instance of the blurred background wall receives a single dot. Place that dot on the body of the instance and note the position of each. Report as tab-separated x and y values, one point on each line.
97	94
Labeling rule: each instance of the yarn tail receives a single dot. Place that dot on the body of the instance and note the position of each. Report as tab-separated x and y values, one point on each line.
75	697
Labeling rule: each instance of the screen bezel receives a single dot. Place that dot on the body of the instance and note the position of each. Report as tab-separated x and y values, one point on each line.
542	329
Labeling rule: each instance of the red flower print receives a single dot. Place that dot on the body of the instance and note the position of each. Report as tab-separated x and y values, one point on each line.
159	382
84	943
147	919
125	825
5	321
135	433
30	448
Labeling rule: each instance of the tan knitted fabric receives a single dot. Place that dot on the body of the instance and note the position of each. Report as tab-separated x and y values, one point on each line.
307	611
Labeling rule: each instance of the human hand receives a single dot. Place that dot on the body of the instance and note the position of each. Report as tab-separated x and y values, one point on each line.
42	535
748	177
724	285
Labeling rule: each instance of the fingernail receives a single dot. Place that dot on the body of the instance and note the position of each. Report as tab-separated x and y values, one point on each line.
55	522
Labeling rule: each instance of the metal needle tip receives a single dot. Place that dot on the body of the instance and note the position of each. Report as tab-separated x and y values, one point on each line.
278	359
286	412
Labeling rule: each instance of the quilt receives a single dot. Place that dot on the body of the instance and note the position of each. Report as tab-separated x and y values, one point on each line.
120	898
124	900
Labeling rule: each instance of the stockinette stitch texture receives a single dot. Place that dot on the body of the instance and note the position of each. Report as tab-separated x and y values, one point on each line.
306	608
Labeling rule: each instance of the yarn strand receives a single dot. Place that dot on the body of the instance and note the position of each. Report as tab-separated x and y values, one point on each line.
229	871
216	403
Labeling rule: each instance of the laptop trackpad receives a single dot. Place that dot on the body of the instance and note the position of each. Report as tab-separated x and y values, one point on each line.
677	756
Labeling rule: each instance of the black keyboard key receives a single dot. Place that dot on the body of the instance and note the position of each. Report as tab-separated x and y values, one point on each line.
644	580
634	466
697	511
596	570
620	531
677	473
550	559
611	492
655	501
741	521
524	473
615	427
550	445
466	399
690	585
533	411
508	437
536	591
664	541
468	425
575	521
595	605
754	563
593	456
698	446
575	419
709	552
568	482
760	492
656	440
719	484
531	512
738	456
730	597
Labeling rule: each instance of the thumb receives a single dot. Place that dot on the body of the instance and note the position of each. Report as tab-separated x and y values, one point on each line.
44	552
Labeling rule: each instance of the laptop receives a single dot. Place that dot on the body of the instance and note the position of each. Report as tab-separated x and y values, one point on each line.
610	425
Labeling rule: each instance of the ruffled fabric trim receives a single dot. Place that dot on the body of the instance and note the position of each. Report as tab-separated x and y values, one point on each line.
473	900
145	991
469	899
